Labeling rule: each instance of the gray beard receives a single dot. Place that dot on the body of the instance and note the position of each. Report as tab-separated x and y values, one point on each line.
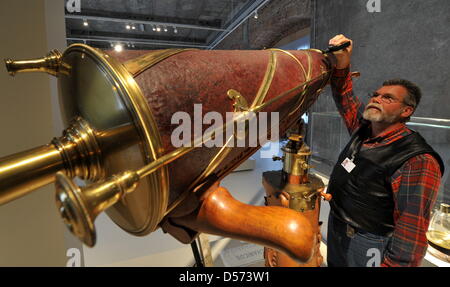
379	117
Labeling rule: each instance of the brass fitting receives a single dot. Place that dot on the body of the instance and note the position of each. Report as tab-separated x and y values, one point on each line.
49	64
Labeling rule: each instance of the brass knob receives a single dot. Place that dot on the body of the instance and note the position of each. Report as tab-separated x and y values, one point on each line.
79	207
325	196
295	137
305	165
276	158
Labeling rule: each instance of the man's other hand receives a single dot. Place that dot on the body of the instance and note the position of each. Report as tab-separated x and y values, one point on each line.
342	56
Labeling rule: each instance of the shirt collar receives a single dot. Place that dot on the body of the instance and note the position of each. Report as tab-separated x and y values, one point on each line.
389	134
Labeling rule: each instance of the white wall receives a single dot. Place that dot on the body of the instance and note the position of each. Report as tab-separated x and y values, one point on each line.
31	232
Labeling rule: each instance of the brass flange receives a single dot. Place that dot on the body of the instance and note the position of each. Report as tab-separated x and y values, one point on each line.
76	152
80	151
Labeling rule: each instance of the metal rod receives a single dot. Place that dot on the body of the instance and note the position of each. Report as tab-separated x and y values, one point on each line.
127	21
135	41
436	120
23	172
162	161
197	256
427	125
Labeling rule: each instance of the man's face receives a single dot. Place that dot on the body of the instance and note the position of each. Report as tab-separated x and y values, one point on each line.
388	107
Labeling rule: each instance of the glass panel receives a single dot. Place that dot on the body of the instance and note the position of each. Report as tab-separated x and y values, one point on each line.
327	142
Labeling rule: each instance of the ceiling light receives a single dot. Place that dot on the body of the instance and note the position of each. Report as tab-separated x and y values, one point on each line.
118	48
256	15
158	29
133	27
165	29
85	23
175	29
128	27
153	28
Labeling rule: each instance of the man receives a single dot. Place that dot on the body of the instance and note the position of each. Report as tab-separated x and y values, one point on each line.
386	179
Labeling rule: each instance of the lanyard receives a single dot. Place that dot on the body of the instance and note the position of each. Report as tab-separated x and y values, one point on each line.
355	148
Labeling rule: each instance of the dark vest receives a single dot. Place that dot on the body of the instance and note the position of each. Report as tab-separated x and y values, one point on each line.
363	198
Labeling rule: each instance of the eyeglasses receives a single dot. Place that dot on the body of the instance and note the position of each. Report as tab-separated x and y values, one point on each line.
385	98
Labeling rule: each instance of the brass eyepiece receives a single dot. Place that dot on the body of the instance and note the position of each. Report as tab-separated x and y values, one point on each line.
79	207
73	210
49	64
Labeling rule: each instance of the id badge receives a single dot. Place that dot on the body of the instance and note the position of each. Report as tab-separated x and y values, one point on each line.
348	164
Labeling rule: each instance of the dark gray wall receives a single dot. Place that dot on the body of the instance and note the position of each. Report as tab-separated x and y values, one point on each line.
276	20
407	39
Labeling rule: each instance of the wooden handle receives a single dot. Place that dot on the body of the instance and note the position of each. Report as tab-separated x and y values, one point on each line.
280	228
326	196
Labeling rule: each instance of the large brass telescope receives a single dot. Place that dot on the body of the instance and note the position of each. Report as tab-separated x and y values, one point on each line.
118	111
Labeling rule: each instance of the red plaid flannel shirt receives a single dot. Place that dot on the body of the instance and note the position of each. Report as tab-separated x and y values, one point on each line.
414	185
